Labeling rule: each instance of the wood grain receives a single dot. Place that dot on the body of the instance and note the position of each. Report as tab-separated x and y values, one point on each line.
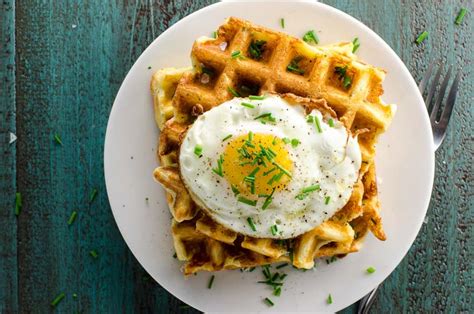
62	77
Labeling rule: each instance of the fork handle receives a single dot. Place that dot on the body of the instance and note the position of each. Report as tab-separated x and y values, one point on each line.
366	302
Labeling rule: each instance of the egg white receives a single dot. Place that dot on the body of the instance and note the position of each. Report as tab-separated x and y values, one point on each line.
331	159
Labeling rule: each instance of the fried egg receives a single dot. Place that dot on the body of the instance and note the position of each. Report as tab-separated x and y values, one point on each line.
266	169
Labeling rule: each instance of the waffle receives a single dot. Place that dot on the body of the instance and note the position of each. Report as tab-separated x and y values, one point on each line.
218	73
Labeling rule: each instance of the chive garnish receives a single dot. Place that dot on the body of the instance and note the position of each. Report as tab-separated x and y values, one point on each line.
311	37
282	265
371	270
72	217
58	299
355	44
18	203
57	139
295	142
246	201
214	35
282	22
94	253
250	136
331	123
266	173
235	190
282	169
286	140
343	76
256	49
246	104
294	68
268	201
227	137
198	151
93	195
269	302
219	170
235	54
274	230
211	281
326	201
253	97
421	37
331	260
460	16
233	91
317	124
305	191
329	299
251	224
274	140
277	292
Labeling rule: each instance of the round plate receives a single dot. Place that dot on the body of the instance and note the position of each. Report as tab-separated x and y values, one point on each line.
405	166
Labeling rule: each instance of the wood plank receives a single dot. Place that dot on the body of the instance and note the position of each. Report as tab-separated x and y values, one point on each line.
71	61
8	220
434	276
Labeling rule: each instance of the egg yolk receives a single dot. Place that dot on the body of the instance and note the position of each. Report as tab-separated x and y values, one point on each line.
257	164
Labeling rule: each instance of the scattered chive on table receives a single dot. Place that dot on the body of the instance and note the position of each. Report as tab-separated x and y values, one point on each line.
61	65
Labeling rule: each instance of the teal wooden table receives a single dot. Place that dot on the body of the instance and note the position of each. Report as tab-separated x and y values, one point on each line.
61	64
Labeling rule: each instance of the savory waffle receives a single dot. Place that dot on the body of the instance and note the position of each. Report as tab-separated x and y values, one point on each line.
246	59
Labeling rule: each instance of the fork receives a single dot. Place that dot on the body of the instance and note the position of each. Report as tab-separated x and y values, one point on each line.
439	120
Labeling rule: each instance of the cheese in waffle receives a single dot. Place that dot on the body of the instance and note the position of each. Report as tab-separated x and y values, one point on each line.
244	155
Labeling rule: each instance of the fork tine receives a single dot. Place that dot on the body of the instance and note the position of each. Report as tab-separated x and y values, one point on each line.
433	88
440	96
425	79
446	115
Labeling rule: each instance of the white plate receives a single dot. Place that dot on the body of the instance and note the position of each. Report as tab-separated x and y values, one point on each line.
405	164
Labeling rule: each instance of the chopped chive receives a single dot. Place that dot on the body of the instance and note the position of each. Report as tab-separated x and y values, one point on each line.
326	201
295	142
94	253
331	123
214	35
277	291
329	299
246	201
219	170
271	152
283	276
246	104
251	223
282	169
227	137
421	37
175	255
281	266
371	270
253	97
274	140
343	76
93	195
256	49
275	178
311	188
233	91
460	16
211	281
269	302
317	124
346	82
58	299
355	44
250	136
254	172
311	37
293	68
198	150
57	139
282	22
72	218
266	173
331	260
268	200
264	115
251	269
18	203
235	54
235	190
309	119
274	229
286	140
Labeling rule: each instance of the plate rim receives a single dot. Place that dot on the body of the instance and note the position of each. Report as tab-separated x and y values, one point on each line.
380	41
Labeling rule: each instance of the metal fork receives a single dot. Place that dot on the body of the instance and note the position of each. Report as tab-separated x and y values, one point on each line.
439	119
